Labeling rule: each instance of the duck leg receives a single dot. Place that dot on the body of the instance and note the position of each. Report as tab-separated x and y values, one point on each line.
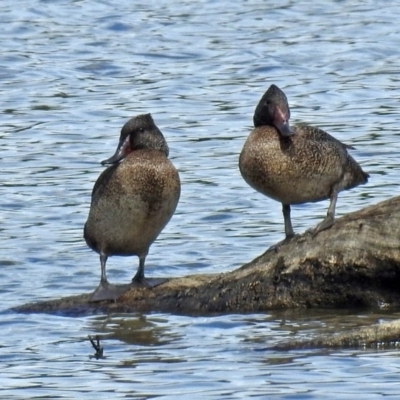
288	222
139	278
329	220
289	233
105	290
140	281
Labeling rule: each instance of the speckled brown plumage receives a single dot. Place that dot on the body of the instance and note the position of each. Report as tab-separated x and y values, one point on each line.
302	164
132	200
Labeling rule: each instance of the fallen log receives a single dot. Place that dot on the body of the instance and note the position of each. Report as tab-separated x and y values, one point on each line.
356	263
378	337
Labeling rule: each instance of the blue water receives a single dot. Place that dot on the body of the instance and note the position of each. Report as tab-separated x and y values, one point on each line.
71	74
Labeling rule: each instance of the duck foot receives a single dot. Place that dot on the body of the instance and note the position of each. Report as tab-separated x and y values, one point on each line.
276	247
147	282
107	291
323	225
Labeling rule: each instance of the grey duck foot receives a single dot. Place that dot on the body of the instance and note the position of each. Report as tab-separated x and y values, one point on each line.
278	245
323	225
147	282
107	291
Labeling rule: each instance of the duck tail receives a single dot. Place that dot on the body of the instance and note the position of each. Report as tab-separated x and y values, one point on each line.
366	176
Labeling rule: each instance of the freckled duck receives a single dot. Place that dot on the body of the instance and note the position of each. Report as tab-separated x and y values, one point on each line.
132	200
295	165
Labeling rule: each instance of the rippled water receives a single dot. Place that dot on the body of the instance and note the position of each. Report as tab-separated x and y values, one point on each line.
71	74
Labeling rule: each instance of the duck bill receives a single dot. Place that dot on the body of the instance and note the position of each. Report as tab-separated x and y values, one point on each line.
281	122
122	151
285	129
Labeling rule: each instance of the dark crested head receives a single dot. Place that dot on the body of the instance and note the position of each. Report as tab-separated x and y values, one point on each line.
273	110
139	132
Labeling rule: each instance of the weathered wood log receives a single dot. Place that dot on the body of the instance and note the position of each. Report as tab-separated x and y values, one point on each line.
379	336
356	263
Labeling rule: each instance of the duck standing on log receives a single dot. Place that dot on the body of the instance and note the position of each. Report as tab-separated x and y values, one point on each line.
295	165
132	201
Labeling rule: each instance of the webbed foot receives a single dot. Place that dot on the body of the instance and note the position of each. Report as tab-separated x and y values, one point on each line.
147	282
323	225
107	291
276	247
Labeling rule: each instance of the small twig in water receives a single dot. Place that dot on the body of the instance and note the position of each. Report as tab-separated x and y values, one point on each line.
97	347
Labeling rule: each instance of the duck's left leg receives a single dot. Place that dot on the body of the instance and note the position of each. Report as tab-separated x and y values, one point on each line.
140	281
329	220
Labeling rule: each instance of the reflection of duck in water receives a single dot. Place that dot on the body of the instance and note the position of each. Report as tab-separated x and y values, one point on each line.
295	166
132	200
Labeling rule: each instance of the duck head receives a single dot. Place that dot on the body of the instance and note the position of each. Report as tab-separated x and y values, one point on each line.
273	110
138	133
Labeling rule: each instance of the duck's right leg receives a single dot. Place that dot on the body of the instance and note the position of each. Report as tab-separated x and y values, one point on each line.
288	222
105	290
289	232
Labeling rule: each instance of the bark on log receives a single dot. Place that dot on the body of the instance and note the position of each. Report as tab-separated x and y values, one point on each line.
381	337
356	263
